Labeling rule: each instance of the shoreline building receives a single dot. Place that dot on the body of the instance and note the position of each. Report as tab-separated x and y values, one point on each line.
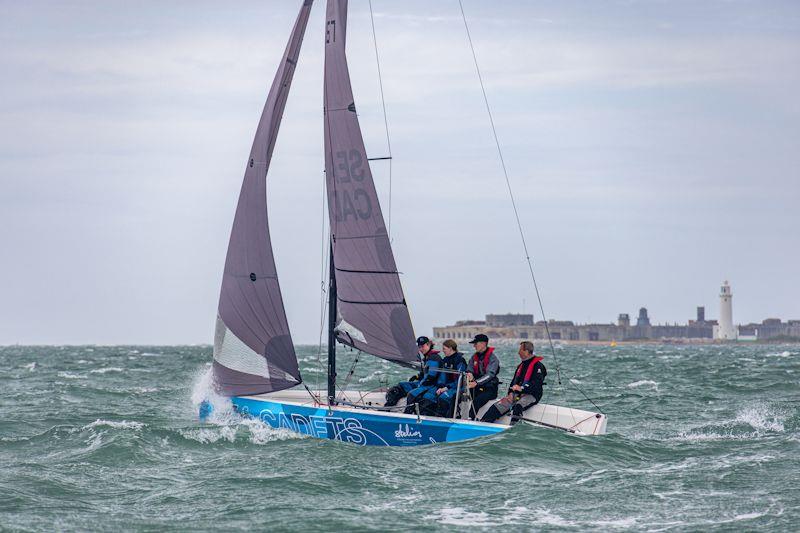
522	326
516	326
726	331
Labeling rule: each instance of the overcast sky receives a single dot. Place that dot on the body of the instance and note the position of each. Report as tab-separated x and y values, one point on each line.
654	148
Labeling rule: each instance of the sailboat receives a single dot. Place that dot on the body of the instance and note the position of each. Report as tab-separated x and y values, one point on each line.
255	364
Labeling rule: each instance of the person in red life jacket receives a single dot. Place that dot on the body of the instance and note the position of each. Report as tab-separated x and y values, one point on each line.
482	371
526	387
428	358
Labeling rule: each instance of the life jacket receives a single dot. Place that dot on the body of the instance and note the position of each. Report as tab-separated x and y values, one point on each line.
529	371
478	369
451	363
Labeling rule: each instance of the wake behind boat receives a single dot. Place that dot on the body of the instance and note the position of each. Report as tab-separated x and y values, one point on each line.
255	363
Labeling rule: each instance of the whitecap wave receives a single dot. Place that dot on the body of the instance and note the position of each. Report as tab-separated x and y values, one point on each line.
31	366
748	516
761	417
70	375
106	370
459	516
115	424
643	383
780	354
371	376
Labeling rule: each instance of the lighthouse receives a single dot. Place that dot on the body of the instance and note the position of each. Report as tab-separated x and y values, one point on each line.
725	330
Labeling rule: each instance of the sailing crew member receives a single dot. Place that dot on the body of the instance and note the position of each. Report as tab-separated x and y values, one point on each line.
448	382
482	371
526	387
438	388
427	357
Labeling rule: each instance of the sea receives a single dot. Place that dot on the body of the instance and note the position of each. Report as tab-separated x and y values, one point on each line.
107	438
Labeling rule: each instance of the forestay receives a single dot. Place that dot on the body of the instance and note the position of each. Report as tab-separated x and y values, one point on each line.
253	350
373	316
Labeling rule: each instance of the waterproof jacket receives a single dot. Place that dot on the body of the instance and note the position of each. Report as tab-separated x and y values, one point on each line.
530	376
430	362
454	363
485	366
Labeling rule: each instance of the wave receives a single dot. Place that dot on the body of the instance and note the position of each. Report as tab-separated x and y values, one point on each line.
115	424
751	422
761	417
70	375
31	366
251	429
371	376
780	354
642	383
106	370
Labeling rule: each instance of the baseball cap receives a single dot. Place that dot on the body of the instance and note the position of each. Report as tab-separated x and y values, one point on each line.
480	337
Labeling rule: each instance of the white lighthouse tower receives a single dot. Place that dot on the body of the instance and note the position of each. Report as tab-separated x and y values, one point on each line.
725	330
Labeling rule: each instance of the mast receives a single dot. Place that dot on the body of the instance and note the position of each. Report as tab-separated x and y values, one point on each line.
331	330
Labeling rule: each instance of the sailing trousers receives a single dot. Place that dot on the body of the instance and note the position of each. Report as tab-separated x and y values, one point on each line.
481	395
507	404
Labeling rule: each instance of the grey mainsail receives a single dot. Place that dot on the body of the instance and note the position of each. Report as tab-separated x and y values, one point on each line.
253	350
373	316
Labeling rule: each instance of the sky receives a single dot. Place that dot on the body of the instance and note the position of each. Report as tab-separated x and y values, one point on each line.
653	148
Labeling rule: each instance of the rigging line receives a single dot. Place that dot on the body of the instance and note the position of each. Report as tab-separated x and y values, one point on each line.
508	185
514	205
385	122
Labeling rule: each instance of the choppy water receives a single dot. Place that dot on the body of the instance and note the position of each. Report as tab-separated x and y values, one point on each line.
102	438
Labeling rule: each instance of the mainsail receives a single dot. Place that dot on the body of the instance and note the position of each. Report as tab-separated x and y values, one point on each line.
373	316
253	350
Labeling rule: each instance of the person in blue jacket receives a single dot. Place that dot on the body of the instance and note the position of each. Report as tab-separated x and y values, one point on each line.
454	362
437	390
427	357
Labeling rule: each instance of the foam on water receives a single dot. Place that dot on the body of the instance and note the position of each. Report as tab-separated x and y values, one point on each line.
761	417
785	353
115	424
643	383
71	375
106	370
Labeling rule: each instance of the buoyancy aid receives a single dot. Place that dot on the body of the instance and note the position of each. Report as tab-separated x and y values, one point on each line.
454	362
526	380
528	372
478	369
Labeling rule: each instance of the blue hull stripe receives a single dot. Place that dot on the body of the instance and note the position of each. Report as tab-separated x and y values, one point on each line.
361	427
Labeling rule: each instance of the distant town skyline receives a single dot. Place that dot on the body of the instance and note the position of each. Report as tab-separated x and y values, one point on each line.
652	148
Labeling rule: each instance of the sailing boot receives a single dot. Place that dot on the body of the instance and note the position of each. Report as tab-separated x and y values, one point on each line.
516	413
427	407
492	414
443	408
394	395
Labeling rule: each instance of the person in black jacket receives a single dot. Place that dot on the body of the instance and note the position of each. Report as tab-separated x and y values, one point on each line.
526	388
482	371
